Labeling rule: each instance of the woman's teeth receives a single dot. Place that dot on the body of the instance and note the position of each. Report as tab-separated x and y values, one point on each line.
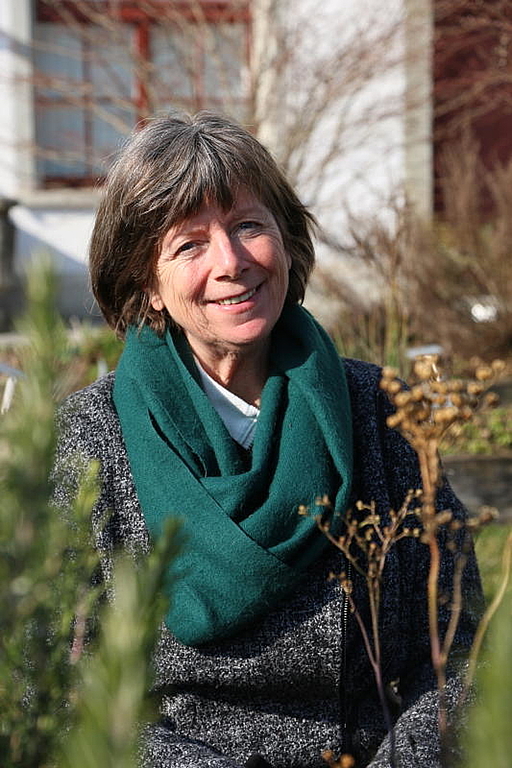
238	299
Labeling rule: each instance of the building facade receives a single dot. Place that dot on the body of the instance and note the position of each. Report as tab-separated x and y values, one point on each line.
342	98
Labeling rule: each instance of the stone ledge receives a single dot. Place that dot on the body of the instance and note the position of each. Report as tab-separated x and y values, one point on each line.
55	199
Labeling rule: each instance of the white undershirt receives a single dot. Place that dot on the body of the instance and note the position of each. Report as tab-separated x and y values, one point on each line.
239	417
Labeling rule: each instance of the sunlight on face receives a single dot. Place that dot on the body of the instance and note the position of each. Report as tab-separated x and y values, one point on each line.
223	276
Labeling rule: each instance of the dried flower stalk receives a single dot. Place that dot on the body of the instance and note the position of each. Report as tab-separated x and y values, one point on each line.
424	414
374	541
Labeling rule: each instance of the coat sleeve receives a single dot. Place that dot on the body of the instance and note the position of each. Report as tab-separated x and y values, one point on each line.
417	740
162	748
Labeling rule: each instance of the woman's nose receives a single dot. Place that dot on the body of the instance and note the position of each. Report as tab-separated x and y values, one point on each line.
228	258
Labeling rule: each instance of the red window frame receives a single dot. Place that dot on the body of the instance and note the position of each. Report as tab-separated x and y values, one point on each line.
141	19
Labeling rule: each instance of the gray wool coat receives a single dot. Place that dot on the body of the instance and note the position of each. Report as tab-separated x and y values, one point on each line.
298	681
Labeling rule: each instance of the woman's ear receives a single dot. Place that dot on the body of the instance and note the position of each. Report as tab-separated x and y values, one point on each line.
155	300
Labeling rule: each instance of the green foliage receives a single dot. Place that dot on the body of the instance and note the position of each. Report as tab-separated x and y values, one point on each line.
378	334
489	432
53	683
112	700
489	736
44	562
489	542
91	348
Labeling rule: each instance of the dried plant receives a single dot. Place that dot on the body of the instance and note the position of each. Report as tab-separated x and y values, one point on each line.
373	541
395	275
424	414
371	317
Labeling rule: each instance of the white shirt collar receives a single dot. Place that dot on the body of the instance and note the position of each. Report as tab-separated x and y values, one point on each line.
239	417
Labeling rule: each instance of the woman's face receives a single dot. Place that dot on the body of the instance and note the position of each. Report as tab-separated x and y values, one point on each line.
223	276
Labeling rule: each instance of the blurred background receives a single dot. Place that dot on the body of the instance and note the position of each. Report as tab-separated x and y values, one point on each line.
393	120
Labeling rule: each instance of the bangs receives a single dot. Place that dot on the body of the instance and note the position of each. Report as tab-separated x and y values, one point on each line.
211	175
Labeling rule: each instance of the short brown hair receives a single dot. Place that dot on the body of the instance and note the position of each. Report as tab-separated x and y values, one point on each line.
163	175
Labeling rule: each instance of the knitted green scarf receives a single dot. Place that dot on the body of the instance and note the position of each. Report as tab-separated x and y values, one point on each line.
247	547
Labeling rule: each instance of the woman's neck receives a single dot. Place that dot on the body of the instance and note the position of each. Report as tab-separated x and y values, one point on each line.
242	372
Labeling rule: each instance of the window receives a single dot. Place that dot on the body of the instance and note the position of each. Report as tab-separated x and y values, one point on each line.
101	66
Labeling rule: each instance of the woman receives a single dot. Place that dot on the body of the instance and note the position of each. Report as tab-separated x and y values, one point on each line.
231	408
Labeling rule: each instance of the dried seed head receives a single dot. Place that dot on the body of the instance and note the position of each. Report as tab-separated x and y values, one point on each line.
394	420
440	387
474	388
444	517
402	398
487	515
417	393
491	400
424	369
446	415
389	373
466	413
483	373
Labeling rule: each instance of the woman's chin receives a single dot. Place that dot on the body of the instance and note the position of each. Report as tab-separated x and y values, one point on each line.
252	333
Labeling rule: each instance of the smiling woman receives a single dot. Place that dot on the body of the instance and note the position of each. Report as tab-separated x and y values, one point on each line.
231	408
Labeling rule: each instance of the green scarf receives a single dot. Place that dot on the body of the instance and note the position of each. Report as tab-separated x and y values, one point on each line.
247	547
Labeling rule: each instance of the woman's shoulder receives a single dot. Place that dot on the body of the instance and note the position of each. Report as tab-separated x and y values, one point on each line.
361	373
95	395
363	381
89	412
93	402
370	404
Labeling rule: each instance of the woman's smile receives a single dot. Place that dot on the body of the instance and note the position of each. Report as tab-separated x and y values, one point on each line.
242	298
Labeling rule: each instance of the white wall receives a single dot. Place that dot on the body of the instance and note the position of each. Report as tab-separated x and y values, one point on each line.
365	114
16	126
56	222
64	233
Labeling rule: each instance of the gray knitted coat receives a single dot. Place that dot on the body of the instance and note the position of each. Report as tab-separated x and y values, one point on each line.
298	681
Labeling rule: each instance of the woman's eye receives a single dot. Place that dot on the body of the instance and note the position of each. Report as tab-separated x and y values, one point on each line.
184	247
246	226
